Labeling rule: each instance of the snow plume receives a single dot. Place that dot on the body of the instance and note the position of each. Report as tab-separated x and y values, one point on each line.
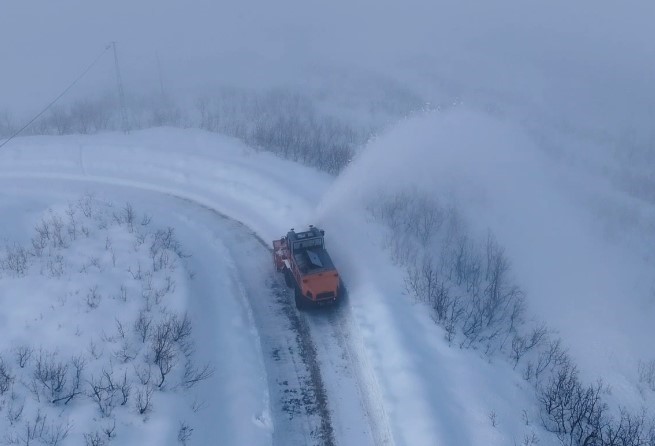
589	290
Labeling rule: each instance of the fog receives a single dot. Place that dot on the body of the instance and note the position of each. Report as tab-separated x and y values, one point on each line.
593	290
588	62
533	121
574	79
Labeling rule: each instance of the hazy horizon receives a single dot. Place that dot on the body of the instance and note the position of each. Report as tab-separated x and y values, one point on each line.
587	63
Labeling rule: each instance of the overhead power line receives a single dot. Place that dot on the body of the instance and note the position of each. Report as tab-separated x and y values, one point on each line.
72	84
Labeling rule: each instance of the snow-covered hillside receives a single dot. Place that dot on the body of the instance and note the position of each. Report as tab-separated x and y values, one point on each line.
385	362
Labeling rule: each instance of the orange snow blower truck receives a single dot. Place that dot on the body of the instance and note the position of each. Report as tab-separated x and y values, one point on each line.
307	267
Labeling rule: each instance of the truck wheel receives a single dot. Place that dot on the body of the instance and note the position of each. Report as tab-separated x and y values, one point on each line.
287	277
299	302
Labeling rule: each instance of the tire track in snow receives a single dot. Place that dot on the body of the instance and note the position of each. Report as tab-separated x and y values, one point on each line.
298	396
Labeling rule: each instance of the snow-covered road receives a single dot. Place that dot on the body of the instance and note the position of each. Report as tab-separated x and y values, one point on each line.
282	377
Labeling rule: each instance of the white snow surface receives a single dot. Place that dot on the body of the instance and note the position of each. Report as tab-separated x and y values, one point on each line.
427	392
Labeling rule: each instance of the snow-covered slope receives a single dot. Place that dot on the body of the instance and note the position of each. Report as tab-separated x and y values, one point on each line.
417	387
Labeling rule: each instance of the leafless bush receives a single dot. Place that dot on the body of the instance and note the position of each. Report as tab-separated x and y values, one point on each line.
122	293
146	219
142	325
493	418
552	357
109	429
162	347
163	245
15	260
42	238
6	378
72	222
126	216
143	401
60	120
424	283
466	265
23	354
7	125
126	352
575	413
193	375
137	273
628	430
57	235
38	429
56	265
95	351
647	373
107	391
93	297
94	439
530	439
89	116
15	409
143	374
523	344
184	433
86	205
56	380
181	327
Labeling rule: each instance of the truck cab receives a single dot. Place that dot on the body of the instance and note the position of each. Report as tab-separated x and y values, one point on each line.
307	267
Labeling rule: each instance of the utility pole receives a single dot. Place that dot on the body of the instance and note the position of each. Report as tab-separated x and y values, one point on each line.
161	78
121	92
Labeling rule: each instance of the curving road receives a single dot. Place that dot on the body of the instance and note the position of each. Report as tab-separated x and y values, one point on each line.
320	389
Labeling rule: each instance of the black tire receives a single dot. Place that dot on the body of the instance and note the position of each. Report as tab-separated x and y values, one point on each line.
287	277
300	304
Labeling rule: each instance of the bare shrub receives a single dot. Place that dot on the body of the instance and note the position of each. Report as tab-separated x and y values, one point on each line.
573	412
552	357
424	283
126	352
647	373
72	221
15	409
628	430
193	375
94	439
7	124
106	391
90	116
23	353
42	238
142	325
57	234
523	344
56	265
143	400
6	378
37	429
86	205
93	297
15	260
163	245
184	433
162	347
56	380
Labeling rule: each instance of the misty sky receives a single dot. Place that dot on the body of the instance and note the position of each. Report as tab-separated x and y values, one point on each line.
580	58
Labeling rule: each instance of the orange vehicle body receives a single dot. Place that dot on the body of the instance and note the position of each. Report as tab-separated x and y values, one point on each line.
307	267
